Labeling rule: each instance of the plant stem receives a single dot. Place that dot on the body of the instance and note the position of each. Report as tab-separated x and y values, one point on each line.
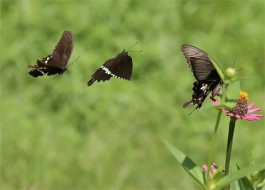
212	148
229	143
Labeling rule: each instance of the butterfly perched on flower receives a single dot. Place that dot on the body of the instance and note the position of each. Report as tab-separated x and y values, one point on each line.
55	63
207	78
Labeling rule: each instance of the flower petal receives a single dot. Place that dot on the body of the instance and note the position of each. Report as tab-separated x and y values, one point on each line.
248	118
238	116
256	115
252	117
214	168
254	110
204	167
251	105
216	102
230	114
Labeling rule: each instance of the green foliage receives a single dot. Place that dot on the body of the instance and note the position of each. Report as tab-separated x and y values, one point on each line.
218	181
240	174
61	134
187	163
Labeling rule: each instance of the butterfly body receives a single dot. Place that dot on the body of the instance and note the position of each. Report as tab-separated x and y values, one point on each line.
55	63
117	67
204	72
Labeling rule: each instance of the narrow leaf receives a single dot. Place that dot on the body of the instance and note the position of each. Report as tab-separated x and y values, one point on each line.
239	174
190	166
244	182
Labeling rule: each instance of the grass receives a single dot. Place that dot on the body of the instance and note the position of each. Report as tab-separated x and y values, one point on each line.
61	134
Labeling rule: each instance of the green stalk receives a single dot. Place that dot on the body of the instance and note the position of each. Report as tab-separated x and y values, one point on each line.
212	148
213	142
229	143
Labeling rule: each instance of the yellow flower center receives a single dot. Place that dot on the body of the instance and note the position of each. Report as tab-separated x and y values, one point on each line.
243	95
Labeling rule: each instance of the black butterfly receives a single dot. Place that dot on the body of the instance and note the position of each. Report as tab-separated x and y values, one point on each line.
206	75
117	67
55	63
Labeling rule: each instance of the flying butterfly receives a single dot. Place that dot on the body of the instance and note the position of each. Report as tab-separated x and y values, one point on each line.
118	67
55	63
207	78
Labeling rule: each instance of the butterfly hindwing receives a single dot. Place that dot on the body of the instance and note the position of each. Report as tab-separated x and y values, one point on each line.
100	75
55	63
117	67
201	90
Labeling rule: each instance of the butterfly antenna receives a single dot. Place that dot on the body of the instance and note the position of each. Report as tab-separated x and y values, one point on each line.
137	51
133	45
74	61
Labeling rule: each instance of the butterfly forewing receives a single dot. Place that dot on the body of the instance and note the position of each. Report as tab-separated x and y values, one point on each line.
117	67
55	63
63	50
192	51
203	70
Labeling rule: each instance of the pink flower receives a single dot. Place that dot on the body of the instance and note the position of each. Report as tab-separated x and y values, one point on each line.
213	167
242	110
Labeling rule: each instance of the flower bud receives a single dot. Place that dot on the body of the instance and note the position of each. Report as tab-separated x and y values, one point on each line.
230	72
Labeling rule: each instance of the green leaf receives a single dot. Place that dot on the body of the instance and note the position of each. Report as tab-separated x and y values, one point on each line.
258	179
190	166
244	182
239	174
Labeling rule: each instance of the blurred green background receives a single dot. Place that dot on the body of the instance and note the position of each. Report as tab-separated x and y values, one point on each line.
61	134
